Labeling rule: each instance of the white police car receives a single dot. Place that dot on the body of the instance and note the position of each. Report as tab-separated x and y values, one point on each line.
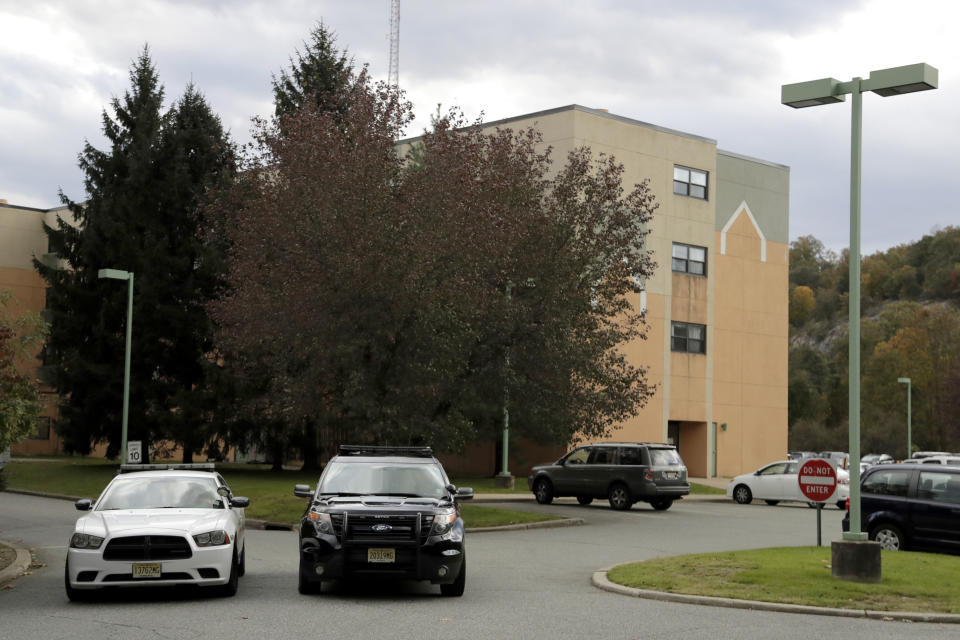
170	525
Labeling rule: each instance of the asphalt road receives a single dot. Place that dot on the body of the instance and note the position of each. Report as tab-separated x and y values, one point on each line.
521	584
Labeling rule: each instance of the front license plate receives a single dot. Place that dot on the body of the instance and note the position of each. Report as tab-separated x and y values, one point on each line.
381	555
146	570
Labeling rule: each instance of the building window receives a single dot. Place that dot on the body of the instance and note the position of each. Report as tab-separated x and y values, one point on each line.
690	182
689	259
43	429
686	337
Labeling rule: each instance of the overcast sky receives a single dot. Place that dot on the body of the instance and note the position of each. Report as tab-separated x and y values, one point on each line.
706	67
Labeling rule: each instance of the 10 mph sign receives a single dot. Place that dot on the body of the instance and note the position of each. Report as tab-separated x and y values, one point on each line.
818	480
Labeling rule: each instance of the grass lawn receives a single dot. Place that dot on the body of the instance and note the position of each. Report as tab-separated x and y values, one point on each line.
801	575
270	492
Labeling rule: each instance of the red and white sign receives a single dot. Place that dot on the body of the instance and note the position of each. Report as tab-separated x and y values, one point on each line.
818	480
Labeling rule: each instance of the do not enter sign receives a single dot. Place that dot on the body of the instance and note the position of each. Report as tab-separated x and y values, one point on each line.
818	480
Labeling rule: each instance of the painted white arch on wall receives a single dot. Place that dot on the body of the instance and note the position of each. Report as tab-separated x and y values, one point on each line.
743	208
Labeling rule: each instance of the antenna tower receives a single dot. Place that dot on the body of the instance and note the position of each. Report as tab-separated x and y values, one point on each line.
393	76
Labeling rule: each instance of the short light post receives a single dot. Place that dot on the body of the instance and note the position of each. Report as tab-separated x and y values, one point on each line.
117	274
885	82
505	479
907	382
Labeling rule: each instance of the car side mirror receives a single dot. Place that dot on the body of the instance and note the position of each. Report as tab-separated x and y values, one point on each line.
464	493
83	505
302	491
240	502
223	492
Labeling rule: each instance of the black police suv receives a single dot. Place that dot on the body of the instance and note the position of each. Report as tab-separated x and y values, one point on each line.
383	512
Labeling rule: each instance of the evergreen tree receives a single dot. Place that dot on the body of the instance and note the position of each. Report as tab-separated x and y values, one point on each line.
142	215
320	71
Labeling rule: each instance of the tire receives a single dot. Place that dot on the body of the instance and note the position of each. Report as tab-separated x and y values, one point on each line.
584	500
229	589
74	595
543	491
772	503
742	494
242	569
661	504
889	536
306	586
842	505
455	589
620	497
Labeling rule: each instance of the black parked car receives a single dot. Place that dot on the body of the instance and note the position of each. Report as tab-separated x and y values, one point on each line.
911	506
623	473
383	512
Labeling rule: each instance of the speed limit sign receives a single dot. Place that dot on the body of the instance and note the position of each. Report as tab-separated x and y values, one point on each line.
133	452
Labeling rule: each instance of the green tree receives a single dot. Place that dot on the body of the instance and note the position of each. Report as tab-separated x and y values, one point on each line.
141	215
320	71
802	303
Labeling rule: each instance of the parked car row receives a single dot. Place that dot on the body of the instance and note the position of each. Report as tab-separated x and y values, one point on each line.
376	512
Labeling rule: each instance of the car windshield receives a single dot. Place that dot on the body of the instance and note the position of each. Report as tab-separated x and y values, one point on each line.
162	493
383	478
665	458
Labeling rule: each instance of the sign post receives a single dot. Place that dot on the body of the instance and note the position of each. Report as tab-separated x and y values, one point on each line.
818	482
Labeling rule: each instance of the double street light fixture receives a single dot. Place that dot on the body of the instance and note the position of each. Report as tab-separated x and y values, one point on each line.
117	274
885	82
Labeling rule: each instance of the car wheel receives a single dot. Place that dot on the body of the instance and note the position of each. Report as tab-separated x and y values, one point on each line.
455	588
306	586
543	491
742	494
74	595
619	497
230	589
661	504
889	536
842	505
772	503
584	500
242	569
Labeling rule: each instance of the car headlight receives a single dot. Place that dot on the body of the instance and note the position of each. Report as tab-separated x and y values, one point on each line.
85	541
322	522
443	521
212	538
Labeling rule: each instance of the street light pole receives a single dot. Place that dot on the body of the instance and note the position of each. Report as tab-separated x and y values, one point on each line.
117	274
907	381
885	82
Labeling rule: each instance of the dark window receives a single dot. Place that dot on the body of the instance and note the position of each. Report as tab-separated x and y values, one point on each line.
602	455
688	338
887	483
942	487
630	455
43	429
689	259
690	182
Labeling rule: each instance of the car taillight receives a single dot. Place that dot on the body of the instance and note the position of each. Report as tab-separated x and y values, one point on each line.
648	474
848	505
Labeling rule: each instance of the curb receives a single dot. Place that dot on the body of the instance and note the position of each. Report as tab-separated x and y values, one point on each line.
600	580
20	564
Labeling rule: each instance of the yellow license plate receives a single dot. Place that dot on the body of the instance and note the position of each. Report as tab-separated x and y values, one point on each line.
381	555
146	570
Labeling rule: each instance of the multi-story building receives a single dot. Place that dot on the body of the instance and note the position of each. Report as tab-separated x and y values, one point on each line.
21	239
717	305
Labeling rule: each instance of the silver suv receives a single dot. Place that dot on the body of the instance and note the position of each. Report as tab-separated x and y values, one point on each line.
622	472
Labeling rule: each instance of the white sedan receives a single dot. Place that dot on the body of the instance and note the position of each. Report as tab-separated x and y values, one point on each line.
777	482
151	528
